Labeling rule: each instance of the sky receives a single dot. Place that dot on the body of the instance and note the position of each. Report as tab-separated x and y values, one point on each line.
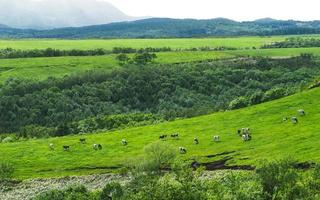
240	10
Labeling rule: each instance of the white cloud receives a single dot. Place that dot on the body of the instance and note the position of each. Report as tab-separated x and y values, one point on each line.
233	9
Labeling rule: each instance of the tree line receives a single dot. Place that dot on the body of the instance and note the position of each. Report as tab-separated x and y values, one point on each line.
294	42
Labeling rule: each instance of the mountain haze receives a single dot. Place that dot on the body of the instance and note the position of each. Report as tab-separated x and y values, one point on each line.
48	14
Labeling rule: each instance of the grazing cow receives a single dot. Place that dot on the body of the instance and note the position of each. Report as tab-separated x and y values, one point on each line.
294	120
246	137
162	137
301	112
82	140
97	146
175	135
124	142
66	148
216	138
51	146
285	119
245	131
182	150
195	141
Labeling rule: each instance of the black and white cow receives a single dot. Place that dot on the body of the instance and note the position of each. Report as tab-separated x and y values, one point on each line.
216	138
182	150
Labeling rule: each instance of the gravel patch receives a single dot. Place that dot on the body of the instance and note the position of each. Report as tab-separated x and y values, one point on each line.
28	189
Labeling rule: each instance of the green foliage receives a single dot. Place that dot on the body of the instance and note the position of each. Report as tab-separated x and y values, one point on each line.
143	58
6	170
123	58
10	53
239	102
111	191
171	91
274	93
294	42
33	131
76	192
158	156
184	183
280	180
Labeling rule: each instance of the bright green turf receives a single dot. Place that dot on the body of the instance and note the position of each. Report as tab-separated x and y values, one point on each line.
272	138
41	68
238	42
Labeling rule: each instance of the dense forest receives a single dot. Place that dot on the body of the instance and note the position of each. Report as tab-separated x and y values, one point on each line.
98	100
172	28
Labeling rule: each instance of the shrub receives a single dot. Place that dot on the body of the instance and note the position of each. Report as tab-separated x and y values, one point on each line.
239	102
6	171
157	156
280	180
76	192
111	191
274	93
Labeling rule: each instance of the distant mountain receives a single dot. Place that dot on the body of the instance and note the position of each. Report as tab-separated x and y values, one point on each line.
172	28
47	14
4	26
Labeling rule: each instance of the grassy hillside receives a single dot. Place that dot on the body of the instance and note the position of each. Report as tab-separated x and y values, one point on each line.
42	68
272	138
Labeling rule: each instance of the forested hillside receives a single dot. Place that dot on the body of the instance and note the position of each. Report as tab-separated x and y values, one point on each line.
172	28
166	91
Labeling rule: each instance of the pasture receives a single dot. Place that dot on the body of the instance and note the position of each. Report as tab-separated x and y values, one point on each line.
271	138
109	44
42	68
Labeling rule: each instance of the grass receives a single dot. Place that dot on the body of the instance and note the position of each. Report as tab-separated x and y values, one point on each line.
42	68
238	42
272	139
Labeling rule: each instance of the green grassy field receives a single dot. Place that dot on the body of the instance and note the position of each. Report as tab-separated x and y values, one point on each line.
42	68
272	139
238	42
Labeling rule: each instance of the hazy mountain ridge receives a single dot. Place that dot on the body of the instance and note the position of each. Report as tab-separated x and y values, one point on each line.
172	28
47	14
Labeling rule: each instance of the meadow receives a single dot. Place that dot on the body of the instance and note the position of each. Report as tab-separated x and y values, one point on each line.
109	44
272	139
42	68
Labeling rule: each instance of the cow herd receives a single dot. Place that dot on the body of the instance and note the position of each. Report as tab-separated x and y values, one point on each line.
294	119
244	133
95	147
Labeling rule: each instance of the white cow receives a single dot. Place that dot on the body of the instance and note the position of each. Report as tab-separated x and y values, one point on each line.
95	146
51	146
216	138
124	142
182	150
301	112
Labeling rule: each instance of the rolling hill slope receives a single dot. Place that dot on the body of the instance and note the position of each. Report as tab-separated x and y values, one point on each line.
272	138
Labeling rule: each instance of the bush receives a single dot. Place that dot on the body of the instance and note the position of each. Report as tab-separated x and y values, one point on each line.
239	102
76	192
111	191
280	180
157	156
274	93
6	171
